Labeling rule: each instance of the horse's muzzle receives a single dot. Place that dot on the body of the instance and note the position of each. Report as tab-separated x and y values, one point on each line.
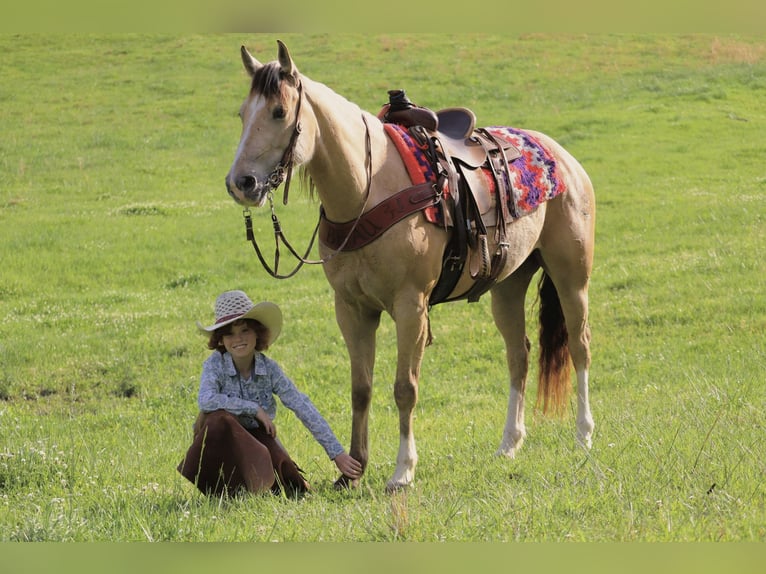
246	190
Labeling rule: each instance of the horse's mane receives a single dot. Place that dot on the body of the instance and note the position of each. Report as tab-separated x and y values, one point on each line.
307	184
267	80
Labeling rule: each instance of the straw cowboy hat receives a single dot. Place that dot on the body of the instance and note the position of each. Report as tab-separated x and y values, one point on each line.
234	305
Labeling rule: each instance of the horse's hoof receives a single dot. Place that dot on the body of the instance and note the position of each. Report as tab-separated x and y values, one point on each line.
345	483
585	442
506	452
509	449
394	487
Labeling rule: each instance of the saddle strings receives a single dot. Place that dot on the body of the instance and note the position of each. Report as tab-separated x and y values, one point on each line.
279	235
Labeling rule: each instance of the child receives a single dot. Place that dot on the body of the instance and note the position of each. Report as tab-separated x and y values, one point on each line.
235	442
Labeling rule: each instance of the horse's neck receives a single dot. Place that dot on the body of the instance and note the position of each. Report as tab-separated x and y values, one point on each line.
339	166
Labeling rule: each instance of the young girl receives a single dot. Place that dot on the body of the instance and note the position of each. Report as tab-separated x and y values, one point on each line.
235	442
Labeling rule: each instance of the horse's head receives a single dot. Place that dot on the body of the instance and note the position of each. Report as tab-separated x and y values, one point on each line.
276	133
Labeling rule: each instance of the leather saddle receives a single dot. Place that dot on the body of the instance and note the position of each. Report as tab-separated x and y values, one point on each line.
464	158
463	155
472	149
456	129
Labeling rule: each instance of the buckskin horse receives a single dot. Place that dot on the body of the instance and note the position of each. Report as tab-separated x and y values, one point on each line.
352	159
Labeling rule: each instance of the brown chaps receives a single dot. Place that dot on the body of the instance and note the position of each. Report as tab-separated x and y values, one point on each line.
225	457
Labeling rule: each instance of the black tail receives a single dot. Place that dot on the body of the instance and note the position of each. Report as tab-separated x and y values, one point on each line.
554	377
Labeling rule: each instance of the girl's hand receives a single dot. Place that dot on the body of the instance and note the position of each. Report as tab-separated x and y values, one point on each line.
267	424
348	465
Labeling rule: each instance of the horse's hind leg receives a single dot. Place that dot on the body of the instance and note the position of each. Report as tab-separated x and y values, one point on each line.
574	304
568	263
508	312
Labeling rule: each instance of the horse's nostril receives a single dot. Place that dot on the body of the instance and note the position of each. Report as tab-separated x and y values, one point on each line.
246	183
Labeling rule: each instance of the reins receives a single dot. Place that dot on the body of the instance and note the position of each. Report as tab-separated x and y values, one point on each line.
283	172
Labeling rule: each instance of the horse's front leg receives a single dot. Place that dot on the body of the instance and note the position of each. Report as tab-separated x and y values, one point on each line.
411	333
358	328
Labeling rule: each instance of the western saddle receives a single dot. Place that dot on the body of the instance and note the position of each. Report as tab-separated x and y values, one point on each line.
460	155
458	152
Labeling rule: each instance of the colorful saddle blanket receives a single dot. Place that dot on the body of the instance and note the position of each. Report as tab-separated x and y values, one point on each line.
534	175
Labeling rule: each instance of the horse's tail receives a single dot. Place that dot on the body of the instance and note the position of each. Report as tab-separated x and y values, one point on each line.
555	364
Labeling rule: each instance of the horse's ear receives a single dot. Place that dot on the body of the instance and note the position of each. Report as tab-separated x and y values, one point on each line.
285	61
251	64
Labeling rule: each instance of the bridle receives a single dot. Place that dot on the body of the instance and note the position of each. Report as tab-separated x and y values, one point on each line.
284	169
283	173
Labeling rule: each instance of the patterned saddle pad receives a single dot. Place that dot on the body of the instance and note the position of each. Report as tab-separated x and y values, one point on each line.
534	175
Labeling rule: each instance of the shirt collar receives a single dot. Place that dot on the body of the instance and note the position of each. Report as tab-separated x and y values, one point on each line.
260	364
231	370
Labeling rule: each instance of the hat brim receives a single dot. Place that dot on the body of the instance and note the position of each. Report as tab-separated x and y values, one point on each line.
264	312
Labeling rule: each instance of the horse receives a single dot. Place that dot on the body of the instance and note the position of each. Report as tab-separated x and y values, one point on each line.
291	120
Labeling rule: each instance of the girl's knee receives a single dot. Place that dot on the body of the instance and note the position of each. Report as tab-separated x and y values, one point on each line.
216	424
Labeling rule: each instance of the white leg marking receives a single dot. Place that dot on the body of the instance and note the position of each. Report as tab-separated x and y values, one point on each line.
406	461
585	423
514	431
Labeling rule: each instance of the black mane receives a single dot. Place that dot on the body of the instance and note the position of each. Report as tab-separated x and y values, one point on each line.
266	80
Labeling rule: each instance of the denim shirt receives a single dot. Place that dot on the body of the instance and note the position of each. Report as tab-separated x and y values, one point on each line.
221	387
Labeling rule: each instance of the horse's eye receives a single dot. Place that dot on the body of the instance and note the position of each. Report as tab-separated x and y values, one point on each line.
278	113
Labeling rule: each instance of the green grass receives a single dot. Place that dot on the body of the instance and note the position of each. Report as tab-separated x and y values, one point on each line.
117	234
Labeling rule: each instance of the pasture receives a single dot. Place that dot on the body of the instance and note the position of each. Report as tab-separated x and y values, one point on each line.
117	234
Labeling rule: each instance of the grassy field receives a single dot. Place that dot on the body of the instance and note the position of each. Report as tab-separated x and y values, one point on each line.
117	234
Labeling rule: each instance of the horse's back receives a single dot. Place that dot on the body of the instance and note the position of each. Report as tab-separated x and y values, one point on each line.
567	237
